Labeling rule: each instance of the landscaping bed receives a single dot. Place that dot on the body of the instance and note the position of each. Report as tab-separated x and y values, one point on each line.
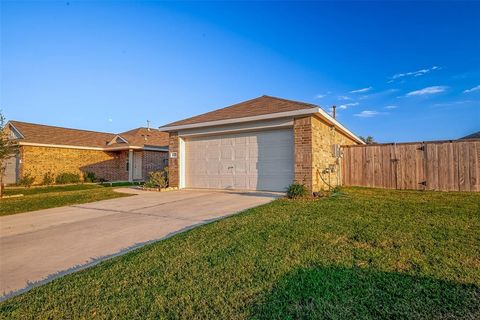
362	254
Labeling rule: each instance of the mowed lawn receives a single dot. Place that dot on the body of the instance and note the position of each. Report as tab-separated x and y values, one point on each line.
367	254
55	196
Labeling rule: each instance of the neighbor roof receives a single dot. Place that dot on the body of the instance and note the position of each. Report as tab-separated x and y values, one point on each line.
146	137
254	107
475	135
52	135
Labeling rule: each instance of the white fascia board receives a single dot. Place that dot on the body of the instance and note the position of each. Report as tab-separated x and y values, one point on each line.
16	130
244	119
21	143
239	127
334	122
58	146
115	138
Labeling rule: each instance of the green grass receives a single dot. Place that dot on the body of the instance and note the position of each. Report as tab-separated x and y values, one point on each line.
368	254
54	196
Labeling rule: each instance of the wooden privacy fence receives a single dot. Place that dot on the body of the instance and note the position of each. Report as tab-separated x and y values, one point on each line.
437	165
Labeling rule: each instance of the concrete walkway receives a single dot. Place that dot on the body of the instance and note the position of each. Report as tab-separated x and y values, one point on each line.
38	246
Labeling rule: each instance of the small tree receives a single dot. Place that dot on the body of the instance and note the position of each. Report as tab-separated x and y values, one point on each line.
368	140
8	148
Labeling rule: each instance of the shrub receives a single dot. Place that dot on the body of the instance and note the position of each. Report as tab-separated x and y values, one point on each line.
158	179
337	192
89	176
48	178
296	190
27	180
67	177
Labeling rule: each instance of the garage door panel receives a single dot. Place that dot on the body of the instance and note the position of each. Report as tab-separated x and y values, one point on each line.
256	160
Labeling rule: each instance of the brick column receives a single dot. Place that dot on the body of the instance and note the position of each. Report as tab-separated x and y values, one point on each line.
130	165
173	170
302	130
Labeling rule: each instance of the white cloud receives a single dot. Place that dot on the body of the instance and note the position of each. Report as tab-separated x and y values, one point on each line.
427	90
477	88
320	96
417	73
391	107
110	120
361	90
367	114
344	98
346	105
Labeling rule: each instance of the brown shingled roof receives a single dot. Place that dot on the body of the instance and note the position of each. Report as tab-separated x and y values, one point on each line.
39	133
254	107
43	134
146	137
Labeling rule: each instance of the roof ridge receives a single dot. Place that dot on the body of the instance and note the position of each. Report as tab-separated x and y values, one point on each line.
294	101
47	125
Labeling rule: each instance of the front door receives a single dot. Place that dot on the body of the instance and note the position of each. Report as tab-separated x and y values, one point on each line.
137	166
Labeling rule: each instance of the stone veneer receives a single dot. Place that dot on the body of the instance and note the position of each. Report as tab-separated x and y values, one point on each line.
324	136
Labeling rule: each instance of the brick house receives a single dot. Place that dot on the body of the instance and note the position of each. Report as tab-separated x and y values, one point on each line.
127	156
265	143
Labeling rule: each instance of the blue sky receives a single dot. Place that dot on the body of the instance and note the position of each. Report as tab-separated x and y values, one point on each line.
396	71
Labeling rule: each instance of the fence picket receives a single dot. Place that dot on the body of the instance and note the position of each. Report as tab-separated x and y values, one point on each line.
436	165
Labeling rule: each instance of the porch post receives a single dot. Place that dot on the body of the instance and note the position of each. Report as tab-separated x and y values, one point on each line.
130	165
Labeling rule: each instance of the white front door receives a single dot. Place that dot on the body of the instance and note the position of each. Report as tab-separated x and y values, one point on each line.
137	166
260	160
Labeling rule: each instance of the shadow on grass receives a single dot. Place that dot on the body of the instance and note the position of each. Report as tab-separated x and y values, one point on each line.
340	293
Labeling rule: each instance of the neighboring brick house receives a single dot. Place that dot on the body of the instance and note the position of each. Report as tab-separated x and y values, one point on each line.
265	143
127	156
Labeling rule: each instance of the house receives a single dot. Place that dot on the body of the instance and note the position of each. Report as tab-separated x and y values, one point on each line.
127	156
475	135
265	143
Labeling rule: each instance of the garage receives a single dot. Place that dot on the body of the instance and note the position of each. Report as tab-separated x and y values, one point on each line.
265	144
261	160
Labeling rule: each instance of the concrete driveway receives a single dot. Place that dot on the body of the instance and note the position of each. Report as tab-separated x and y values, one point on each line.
38	246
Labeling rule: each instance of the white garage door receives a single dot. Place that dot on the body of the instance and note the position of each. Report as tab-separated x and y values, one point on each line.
246	161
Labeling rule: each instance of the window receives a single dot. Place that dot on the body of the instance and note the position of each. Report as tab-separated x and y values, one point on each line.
127	165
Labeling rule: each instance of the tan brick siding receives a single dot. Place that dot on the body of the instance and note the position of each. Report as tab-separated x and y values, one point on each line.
39	160
153	161
173	173
324	137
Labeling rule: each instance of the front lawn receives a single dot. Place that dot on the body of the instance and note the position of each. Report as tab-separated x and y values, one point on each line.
367	255
54	196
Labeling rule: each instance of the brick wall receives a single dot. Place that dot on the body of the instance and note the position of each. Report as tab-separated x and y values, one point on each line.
324	136
302	130
39	160
153	161
173	173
